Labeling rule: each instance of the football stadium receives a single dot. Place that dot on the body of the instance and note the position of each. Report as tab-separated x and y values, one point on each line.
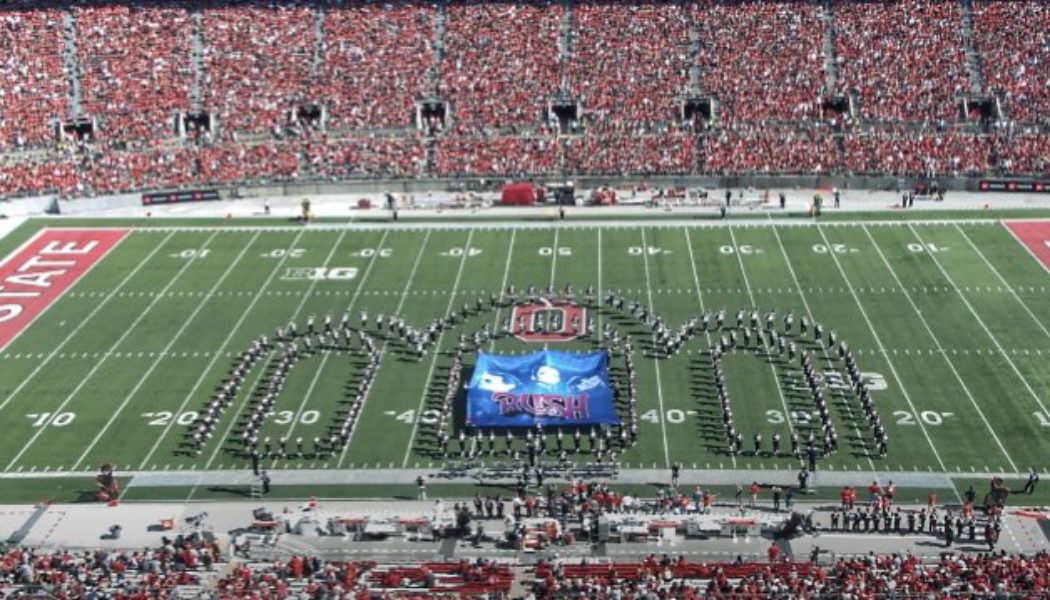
525	299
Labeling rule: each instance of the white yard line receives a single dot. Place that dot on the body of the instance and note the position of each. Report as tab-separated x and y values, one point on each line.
436	351
626	221
554	257
262	368
503	289
936	341
127	331
823	348
981	322
754	305
206	372
1003	280
382	349
601	296
11	255
700	297
656	359
86	320
328	354
178	334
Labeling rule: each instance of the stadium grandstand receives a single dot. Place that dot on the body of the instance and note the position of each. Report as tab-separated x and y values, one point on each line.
104	97
524	299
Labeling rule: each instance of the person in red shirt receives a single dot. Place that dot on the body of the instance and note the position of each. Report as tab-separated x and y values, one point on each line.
754	493
874	489
773	552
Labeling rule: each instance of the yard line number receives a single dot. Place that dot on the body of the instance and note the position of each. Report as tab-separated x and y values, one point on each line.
929	417
378	252
650	250
283	417
776	417
408	417
44	419
673	416
742	249
832	248
192	253
920	247
283	252
459	252
559	251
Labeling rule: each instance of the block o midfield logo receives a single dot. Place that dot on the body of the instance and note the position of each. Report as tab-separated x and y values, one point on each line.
548	321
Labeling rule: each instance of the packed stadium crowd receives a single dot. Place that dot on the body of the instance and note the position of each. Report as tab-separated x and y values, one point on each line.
871	576
905	59
304	91
198	571
145	573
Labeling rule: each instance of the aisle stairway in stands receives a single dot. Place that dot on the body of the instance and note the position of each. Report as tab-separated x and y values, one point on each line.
197	58
973	58
696	76
71	63
318	57
565	41
440	20
831	70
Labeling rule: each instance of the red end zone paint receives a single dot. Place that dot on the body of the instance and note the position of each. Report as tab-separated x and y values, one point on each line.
45	267
1035	235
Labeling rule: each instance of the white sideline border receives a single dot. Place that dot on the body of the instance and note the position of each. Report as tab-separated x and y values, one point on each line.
611	223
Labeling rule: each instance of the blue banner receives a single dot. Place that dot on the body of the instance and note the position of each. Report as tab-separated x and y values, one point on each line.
550	388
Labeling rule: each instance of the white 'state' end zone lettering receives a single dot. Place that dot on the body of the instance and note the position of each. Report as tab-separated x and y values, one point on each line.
39	272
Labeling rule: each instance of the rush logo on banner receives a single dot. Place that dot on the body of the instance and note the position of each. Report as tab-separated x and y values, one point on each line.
549	388
47	265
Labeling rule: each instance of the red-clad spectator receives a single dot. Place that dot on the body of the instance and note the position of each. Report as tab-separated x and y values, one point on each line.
762	60
501	62
376	59
905	152
1023	153
630	62
904	57
136	70
496	156
365	157
1012	40
257	62
771	151
621	152
34	86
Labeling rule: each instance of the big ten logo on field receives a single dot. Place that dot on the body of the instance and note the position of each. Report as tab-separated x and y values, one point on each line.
546	321
319	273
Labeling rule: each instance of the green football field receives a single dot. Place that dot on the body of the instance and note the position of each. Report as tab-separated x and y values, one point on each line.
948	320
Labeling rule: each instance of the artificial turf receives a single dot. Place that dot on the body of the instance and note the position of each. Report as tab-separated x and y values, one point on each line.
952	316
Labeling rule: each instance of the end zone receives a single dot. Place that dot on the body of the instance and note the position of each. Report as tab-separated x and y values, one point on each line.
1035	237
34	276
